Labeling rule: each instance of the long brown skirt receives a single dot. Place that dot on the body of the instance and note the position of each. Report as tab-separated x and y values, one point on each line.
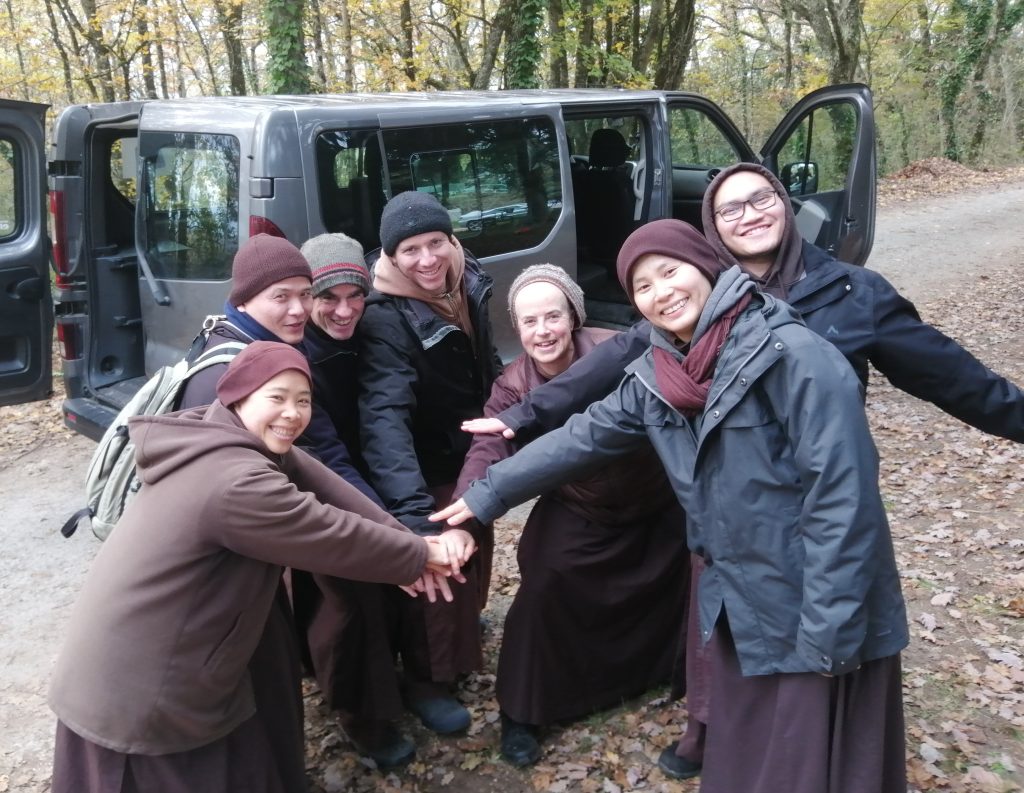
241	762
599	614
803	733
353	632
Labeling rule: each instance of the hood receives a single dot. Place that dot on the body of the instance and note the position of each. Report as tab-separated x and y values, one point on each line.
164	444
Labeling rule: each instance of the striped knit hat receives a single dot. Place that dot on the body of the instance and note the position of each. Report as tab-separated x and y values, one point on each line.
336	259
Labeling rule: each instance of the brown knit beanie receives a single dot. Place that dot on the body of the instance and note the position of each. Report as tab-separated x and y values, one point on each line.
669	237
256	364
261	261
411	213
556	276
336	259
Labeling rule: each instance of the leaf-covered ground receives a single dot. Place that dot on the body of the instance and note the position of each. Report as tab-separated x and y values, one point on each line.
956	504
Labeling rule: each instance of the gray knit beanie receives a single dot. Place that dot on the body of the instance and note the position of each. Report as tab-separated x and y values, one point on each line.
556	276
411	213
336	259
261	261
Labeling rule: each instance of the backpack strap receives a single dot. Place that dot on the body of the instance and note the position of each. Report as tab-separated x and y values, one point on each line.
71	525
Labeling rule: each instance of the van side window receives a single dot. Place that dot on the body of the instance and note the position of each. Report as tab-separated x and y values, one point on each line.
499	179
190	194
816	157
350	177
698	147
697	142
9	204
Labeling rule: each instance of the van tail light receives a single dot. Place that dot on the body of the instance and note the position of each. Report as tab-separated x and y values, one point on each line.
69	337
261	225
60	237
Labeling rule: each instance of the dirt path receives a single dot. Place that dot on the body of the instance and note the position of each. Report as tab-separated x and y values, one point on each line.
955	497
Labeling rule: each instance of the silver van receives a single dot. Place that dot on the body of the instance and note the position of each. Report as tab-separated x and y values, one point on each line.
151	199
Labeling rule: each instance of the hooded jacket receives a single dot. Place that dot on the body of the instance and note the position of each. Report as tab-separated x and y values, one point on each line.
779	479
155	660
420	377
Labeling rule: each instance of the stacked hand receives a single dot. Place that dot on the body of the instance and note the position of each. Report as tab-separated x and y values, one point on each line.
446	554
488	427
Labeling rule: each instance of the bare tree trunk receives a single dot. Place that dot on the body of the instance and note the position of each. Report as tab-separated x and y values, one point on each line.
92	32
643	53
347	49
682	25
142	26
559	68
837	27
18	52
317	23
407	43
585	49
65	61
214	86
229	17
492	44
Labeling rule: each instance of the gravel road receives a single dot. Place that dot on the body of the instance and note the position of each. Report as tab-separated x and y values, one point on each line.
927	248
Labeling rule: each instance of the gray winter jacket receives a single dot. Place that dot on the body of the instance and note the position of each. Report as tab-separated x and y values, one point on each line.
779	480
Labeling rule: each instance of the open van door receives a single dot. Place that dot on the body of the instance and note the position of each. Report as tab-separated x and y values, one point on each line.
824	154
26	305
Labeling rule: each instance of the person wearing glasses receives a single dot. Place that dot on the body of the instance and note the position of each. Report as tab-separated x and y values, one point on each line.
854	308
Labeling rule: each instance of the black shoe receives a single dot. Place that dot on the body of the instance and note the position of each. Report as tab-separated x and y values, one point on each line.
383	743
519	744
443	715
675	766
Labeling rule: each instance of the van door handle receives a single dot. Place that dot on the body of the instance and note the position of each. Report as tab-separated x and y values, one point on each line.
29	289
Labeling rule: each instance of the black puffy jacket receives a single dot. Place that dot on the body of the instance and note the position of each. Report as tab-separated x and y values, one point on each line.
419	380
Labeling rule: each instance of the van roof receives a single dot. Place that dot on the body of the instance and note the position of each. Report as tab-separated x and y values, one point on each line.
402	100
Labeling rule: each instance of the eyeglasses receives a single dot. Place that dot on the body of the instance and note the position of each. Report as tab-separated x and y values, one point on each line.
735	209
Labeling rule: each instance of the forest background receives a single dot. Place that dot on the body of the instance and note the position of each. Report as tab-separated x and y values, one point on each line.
948	77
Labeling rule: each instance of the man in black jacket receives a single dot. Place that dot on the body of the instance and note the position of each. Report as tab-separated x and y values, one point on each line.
749	221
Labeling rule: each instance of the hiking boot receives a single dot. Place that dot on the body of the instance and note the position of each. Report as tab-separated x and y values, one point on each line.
675	766
519	745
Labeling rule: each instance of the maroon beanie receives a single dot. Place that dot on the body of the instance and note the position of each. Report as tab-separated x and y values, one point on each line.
255	365
261	261
668	237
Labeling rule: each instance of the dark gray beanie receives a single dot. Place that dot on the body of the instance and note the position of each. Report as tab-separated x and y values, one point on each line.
411	213
336	259
556	276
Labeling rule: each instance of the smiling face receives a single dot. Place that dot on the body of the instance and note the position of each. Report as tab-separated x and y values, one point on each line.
544	321
283	308
336	311
755	236
670	293
425	259
278	411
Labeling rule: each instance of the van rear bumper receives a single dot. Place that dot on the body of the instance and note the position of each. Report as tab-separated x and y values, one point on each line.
87	416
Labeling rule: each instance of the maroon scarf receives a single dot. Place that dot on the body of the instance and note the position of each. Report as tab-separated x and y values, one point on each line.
685	384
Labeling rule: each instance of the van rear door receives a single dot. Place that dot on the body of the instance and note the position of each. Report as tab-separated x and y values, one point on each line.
26	306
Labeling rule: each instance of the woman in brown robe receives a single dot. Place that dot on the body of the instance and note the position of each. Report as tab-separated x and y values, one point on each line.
152	688
600	609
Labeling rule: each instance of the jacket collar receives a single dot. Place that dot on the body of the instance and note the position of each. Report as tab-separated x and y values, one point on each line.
428	326
318	347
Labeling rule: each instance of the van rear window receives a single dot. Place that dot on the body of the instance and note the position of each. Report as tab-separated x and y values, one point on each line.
190	194
499	179
9	204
